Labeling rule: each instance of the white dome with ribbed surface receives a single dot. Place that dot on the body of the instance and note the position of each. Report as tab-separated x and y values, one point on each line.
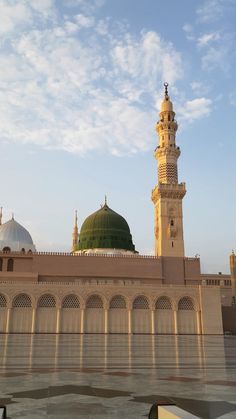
15	237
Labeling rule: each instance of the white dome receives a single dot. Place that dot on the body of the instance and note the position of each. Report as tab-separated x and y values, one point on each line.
16	237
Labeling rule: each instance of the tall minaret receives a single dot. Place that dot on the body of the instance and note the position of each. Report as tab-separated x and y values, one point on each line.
233	276
168	194
75	234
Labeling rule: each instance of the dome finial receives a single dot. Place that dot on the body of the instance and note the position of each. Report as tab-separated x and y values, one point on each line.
12	215
166	88
0	216
105	200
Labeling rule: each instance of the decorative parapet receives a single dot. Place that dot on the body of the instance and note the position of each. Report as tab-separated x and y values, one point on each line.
168	190
122	256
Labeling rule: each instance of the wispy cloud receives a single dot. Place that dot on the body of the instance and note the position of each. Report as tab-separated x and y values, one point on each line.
195	109
81	84
207	38
215	46
213	10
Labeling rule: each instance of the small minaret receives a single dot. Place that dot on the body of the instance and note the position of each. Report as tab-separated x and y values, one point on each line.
0	216
168	194
75	234
232	260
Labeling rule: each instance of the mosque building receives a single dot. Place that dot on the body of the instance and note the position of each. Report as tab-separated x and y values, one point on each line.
104	285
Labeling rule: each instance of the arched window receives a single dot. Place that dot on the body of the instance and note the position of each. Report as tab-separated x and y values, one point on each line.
1	263
3	301
71	301
6	249
185	303
47	301
23	250
140	302
94	302
22	300
163	303
10	265
118	302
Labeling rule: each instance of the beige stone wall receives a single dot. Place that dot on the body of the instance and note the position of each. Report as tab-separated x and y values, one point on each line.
66	267
159	309
211	315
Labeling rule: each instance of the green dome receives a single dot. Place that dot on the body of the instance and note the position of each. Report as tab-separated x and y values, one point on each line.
105	229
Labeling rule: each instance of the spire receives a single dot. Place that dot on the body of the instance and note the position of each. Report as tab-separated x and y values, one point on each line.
105	200
0	216
12	215
166	88
75	234
76	219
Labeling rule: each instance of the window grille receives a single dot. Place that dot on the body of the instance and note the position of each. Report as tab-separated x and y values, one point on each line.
47	300
118	302
94	302
140	303
3	301
185	304
22	300
71	301
163	303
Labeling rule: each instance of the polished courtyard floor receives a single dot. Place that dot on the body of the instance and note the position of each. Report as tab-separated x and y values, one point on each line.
116	376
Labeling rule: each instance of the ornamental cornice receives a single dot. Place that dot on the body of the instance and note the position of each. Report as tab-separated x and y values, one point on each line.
166	126
167	151
168	190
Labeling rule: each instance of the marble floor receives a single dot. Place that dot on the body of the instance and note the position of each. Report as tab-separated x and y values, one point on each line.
116	376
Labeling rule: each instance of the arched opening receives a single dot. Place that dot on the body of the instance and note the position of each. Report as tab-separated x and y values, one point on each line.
185	303
22	300
46	317
94	301
21	316
10	265
140	303
141	315
1	264
3	313
164	321
118	315
71	301
117	302
94	315
70	314
23	250
187	321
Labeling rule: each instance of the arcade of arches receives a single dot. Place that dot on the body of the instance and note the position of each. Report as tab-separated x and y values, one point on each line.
96	313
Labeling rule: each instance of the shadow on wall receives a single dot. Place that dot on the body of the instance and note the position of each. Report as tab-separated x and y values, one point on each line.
229	316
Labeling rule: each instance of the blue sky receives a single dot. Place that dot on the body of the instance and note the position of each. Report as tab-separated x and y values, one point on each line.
80	88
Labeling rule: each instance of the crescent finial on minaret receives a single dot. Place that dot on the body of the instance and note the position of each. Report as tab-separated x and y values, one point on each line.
166	88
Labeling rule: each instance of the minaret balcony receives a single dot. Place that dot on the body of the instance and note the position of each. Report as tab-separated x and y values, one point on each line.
167	151
168	190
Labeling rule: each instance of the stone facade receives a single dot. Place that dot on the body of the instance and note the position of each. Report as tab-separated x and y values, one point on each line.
65	293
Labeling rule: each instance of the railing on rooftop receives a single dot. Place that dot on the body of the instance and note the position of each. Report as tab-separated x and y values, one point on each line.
134	256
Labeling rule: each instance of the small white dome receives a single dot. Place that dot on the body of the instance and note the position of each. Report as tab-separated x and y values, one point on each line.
15	237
